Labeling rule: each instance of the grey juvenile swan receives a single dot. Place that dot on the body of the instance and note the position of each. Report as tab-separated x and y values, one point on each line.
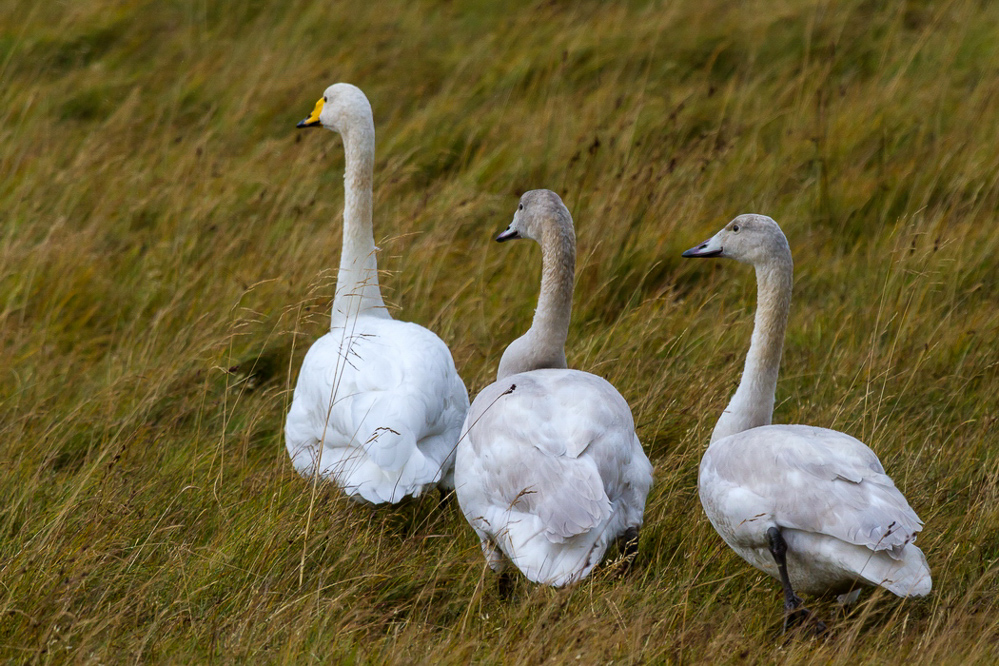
549	470
812	507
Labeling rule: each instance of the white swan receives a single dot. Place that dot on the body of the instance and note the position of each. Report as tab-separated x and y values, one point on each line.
811	507
549	470
378	405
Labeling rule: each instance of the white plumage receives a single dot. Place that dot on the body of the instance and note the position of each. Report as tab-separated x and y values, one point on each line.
378	404
387	404
549	470
821	495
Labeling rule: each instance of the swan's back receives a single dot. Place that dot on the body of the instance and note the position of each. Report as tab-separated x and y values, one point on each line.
829	495
384	399
550	469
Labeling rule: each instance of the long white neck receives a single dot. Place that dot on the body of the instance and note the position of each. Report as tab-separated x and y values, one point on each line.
753	403
543	346
357	291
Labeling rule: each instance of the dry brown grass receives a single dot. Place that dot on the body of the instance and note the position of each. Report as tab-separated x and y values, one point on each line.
166	256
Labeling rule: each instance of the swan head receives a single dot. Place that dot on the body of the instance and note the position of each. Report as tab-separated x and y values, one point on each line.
341	108
751	239
538	210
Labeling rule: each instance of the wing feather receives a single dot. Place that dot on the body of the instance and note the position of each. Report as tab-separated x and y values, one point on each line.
531	432
821	481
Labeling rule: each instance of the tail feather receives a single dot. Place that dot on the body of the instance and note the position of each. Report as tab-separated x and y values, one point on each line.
544	561
908	576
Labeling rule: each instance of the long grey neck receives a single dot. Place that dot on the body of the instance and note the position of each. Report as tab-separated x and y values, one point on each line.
357	291
753	403
558	269
543	346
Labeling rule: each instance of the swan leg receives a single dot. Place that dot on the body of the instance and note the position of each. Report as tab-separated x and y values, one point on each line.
628	547
794	612
446	498
505	584
494	558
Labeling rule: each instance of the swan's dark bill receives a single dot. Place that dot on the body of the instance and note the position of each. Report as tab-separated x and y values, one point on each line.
509	234
701	251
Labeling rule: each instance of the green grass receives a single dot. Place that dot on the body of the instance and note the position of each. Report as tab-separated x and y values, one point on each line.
167	254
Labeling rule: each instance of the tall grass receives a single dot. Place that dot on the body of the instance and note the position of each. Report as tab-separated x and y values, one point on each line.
166	258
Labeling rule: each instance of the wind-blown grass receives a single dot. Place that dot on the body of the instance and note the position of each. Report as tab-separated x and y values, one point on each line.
167	255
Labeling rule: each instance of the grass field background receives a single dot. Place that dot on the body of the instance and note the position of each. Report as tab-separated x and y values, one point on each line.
168	249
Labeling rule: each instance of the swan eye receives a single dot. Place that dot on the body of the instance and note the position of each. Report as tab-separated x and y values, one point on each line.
736	228
520	207
324	99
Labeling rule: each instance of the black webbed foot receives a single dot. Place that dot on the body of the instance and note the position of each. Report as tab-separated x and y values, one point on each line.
801	617
446	499
505	585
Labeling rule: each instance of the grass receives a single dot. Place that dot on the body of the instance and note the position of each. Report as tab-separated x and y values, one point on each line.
167	255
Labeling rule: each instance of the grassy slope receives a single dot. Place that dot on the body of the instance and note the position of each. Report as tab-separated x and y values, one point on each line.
166	255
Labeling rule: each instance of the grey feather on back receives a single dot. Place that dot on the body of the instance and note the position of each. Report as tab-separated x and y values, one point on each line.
821	481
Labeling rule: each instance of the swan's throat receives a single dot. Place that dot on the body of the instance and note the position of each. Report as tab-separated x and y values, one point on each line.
357	291
543	346
752	405
558	269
